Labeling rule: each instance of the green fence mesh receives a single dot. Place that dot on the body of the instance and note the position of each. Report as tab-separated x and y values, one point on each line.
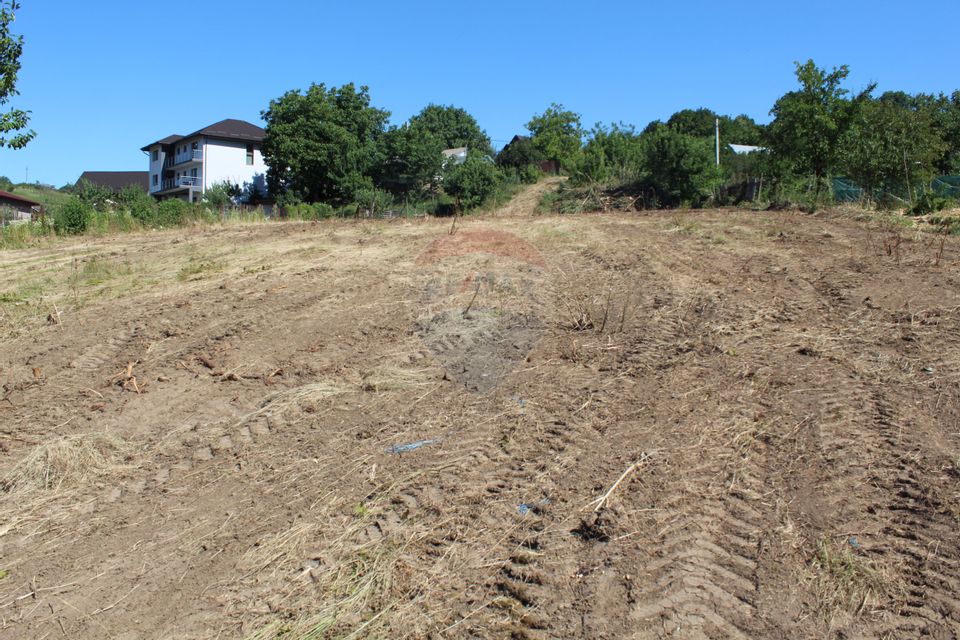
846	190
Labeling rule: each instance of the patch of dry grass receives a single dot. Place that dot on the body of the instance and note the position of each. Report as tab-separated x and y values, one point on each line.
65	463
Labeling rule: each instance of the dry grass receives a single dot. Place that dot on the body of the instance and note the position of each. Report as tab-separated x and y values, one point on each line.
65	463
848	584
389	378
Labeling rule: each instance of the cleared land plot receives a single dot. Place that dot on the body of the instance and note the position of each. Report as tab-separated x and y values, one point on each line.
704	424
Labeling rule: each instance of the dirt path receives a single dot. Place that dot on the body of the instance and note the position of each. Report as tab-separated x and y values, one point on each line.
378	428
527	201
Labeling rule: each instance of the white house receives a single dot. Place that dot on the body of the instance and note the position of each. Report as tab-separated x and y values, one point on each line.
186	166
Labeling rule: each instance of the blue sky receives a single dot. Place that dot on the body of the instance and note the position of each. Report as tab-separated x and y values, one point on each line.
103	78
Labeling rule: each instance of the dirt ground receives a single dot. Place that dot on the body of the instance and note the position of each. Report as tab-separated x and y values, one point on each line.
714	424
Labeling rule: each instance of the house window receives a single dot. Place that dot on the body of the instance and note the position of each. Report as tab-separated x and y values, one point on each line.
156	155
193	146
193	172
155	177
249	154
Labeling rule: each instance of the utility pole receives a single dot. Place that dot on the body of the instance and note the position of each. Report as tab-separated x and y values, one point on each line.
718	141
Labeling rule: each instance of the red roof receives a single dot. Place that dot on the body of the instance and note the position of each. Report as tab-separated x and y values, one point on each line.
6	195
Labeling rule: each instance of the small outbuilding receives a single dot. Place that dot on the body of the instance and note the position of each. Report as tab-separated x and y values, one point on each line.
15	209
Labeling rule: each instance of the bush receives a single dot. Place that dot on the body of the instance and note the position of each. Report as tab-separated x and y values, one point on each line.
930	202
72	216
373	200
141	206
472	182
308	211
530	174
172	212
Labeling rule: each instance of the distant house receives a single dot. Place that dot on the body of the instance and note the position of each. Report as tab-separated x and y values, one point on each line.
457	155
186	166
742	149
117	181
15	209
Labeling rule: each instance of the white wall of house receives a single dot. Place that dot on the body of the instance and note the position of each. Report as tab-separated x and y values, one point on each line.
156	167
226	160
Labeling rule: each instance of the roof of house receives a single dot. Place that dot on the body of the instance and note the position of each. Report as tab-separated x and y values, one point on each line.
745	148
6	195
117	180
229	129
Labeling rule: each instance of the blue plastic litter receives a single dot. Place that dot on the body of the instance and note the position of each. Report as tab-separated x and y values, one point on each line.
403	448
520	401
526	507
853	542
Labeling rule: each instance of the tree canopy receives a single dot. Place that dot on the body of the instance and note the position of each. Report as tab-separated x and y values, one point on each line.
14	121
321	145
557	134
453	127
809	124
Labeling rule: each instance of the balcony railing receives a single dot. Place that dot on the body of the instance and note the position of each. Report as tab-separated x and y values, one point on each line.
195	155
181	182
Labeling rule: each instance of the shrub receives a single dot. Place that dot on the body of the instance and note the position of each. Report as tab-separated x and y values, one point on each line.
472	182
373	200
172	212
72	216
929	202
310	211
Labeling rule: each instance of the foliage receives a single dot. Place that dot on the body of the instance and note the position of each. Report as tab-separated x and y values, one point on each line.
13	122
453	127
890	148
611	152
410	160
140	205
221	194
72	216
929	202
472	181
171	212
519	153
6	184
810	123
97	196
557	134
373	200
307	211
678	168
321	145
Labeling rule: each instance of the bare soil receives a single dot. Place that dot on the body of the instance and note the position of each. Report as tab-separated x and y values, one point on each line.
715	424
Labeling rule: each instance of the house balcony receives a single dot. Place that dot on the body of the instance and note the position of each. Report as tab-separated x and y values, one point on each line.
183	182
195	155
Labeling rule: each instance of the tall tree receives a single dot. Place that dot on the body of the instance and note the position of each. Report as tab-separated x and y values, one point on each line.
13	122
409	160
453	127
557	134
809	124
322	145
891	147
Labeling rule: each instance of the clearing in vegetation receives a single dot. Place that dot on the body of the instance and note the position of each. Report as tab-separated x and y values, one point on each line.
718	423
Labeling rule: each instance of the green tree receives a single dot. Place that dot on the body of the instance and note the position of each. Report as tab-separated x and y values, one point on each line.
679	168
453	127
321	145
557	134
614	151
472	181
221	194
13	122
519	153
809	124
409	160
891	147
6	184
